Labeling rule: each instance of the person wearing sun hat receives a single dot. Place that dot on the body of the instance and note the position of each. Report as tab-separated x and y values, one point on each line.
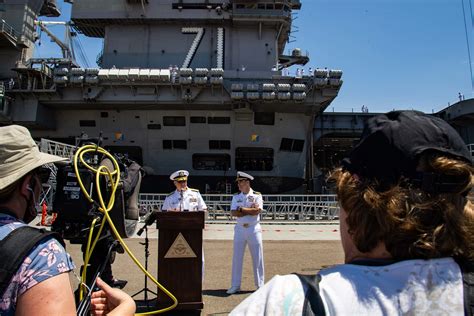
246	206
43	275
406	224
20	186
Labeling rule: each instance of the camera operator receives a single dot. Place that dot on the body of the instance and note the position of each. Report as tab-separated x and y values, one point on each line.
39	284
131	180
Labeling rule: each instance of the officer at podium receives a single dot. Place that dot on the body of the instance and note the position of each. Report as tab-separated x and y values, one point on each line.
183	199
246	206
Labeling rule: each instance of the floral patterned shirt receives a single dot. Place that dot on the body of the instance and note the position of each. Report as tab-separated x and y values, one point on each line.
45	260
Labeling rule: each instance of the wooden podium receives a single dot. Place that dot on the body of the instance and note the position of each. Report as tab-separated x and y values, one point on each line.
180	258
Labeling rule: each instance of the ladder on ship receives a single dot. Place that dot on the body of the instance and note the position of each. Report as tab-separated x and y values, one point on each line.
53	148
2	95
228	188
56	148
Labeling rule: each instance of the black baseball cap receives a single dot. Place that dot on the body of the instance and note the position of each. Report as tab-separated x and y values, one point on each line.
391	144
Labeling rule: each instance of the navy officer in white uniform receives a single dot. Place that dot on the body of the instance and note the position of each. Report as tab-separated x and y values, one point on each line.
183	199
246	206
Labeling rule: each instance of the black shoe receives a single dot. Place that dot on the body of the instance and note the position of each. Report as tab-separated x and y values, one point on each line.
120	284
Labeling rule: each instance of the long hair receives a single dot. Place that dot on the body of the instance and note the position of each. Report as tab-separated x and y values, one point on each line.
412	223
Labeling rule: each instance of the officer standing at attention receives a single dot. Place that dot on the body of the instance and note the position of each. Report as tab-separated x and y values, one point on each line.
183	199
246	206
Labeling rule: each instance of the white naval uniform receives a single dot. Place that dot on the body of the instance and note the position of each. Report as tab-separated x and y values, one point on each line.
189	200
247	230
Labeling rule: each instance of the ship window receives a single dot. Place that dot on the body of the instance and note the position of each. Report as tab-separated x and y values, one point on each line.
174	121
174	144
154	126
88	123
264	118
219	144
211	162
218	120
198	119
180	144
298	145
289	144
254	158
132	152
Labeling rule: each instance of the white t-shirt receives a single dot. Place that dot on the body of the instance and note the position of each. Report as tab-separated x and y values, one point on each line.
411	287
247	200
189	200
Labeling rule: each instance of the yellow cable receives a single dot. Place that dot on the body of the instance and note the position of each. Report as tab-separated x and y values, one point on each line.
86	260
114	178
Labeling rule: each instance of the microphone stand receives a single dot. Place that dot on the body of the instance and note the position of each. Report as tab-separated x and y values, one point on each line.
148	221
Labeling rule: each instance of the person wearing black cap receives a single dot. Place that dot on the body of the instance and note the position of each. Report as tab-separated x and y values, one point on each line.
246	206
407	228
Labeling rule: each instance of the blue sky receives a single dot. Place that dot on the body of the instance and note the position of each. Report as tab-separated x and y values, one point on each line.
395	54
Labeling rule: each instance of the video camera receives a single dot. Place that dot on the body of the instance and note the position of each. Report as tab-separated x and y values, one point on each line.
75	213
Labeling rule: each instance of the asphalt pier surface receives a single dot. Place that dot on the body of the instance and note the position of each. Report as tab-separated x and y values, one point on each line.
287	249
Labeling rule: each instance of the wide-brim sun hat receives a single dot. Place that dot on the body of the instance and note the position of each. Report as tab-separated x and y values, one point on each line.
19	154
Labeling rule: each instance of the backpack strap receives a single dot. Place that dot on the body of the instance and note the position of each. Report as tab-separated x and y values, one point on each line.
313	303
467	270
15	247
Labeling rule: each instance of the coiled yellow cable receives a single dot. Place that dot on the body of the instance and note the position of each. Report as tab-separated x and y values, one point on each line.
114	178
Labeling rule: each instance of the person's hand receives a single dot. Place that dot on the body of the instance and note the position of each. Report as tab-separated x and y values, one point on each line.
111	301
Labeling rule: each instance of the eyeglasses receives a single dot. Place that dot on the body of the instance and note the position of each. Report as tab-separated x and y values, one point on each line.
181	181
43	174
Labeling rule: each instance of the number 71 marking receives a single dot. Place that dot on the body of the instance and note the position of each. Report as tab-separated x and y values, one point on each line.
199	31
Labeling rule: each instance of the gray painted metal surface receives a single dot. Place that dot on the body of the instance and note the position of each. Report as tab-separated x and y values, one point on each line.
165	63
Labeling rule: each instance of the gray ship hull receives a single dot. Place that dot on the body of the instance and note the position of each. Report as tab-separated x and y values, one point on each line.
211	144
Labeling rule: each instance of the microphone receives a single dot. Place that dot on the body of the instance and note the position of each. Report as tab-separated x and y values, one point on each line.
149	219
181	201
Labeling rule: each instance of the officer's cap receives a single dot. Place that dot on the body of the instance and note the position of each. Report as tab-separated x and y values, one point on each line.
179	175
243	176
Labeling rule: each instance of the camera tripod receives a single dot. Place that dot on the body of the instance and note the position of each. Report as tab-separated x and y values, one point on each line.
145	290
84	305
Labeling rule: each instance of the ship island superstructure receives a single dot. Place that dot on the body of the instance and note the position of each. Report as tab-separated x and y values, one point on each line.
181	84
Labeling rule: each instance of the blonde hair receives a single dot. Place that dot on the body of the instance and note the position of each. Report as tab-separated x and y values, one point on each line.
409	221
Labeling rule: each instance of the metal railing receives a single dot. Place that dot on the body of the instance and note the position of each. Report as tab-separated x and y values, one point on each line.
282	207
470	147
57	148
7	29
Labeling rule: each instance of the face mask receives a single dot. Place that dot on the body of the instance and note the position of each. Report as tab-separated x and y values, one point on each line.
32	207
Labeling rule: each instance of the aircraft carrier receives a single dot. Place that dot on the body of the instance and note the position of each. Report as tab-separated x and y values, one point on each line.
201	85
